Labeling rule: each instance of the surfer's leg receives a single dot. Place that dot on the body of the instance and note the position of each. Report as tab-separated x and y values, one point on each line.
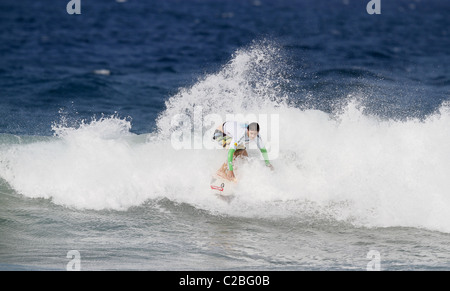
218	135
222	171
219	131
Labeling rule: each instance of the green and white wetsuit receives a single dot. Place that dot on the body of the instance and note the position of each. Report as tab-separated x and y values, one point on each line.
239	140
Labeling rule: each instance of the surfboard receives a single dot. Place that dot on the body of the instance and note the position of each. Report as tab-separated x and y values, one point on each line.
222	188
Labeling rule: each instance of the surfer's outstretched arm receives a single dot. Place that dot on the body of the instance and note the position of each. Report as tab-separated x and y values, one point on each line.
266	157
230	158
230	173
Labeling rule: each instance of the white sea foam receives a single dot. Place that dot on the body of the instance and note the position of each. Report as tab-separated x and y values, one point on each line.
348	166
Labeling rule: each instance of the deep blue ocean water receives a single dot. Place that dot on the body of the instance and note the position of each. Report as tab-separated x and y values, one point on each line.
153	48
363	106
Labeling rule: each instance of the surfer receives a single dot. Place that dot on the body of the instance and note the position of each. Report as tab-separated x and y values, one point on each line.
236	135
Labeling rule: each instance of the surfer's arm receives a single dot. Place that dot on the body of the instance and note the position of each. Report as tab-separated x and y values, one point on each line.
230	173
231	151
230	158
265	156
263	150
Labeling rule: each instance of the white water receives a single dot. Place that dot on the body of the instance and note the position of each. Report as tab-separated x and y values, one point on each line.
350	167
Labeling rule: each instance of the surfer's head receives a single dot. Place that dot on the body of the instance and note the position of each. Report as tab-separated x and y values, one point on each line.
253	130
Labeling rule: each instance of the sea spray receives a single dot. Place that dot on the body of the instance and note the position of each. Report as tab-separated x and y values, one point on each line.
253	81
348	166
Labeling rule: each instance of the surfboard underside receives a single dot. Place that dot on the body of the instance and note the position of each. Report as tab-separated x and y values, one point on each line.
222	188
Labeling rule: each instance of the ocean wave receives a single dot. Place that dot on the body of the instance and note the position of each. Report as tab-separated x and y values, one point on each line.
349	166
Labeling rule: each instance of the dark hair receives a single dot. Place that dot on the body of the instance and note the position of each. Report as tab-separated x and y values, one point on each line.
253	126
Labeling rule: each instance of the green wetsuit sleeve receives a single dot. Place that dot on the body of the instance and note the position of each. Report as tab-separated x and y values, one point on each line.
230	159
265	155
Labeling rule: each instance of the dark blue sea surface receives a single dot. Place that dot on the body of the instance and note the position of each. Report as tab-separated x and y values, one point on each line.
87	101
152	48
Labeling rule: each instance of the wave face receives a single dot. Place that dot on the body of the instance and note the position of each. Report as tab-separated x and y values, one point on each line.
346	165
